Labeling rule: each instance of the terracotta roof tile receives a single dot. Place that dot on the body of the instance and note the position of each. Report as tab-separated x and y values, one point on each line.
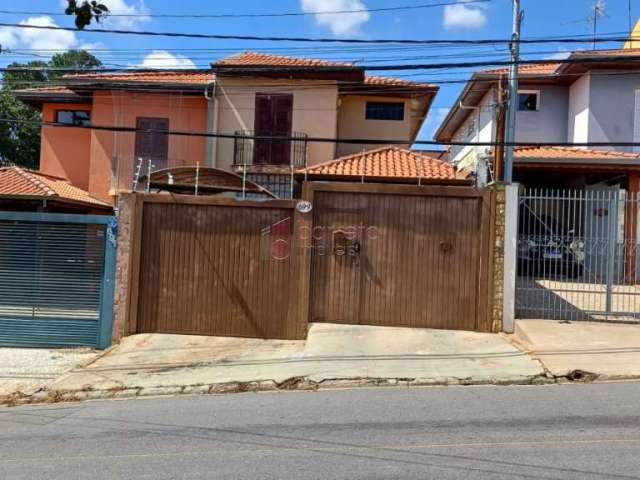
537	69
386	162
50	89
20	182
169	77
265	59
572	152
388	81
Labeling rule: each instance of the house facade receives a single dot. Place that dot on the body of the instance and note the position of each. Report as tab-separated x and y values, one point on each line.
593	98
213	115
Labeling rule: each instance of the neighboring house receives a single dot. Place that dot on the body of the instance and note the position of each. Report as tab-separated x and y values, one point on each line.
595	99
243	95
386	165
26	190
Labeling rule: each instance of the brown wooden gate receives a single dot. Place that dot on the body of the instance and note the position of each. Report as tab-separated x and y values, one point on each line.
216	266
395	255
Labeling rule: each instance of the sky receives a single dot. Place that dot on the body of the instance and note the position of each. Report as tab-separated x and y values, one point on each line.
463	19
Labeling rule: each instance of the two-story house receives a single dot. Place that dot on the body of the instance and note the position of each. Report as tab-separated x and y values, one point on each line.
592	98
212	116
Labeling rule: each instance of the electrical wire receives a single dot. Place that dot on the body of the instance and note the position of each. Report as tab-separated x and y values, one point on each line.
254	15
359	141
319	39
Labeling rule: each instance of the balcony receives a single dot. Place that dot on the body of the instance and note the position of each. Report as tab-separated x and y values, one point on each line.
270	153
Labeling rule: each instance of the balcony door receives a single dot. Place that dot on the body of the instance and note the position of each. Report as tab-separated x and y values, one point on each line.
152	145
273	118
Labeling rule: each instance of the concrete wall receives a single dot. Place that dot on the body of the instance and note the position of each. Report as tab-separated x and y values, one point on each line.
315	105
64	151
352	123
549	123
479	126
612	109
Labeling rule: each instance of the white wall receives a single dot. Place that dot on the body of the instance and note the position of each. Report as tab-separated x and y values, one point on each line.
578	121
479	126
549	122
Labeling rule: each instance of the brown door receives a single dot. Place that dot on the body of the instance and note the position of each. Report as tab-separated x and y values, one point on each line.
414	260
273	117
153	145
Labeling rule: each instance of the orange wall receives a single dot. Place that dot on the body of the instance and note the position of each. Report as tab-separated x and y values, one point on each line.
64	151
112	153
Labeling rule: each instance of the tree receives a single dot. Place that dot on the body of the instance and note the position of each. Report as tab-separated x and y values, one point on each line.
85	11
20	129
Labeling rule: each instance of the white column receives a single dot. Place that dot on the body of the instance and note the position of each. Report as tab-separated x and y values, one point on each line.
510	257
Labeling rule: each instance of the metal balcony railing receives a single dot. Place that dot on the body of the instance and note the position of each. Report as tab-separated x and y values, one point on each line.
270	151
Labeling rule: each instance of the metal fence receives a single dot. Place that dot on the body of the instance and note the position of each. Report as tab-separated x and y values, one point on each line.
577	255
56	279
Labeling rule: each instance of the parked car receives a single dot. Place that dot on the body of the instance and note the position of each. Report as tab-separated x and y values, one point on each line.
547	247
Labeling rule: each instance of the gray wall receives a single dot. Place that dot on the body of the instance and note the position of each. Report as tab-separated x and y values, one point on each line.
549	123
612	105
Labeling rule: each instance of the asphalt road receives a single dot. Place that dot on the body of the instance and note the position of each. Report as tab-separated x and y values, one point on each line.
544	432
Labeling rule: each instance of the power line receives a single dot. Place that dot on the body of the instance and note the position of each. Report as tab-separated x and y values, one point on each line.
314	40
253	15
359	141
318	69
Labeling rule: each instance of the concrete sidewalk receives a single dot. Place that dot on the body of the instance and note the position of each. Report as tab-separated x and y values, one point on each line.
332	356
26	370
607	351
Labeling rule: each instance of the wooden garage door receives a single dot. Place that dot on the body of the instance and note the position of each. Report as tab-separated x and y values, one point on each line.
394	259
217	270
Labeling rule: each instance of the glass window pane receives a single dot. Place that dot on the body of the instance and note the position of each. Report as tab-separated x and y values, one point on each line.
64	116
385	111
527	102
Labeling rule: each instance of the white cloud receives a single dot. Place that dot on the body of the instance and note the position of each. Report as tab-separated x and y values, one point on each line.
562	54
164	59
435	117
461	16
36	39
121	7
338	23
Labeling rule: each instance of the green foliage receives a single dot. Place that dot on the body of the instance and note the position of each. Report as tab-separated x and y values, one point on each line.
86	11
20	141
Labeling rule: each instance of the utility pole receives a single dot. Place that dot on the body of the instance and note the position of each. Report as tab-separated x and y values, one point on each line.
510	134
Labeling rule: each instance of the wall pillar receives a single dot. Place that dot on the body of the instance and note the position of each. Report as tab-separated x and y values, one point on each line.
126	219
510	257
504	256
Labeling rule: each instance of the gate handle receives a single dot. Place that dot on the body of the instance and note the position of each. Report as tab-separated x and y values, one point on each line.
446	247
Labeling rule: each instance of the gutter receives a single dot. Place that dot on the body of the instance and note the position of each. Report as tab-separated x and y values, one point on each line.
212	124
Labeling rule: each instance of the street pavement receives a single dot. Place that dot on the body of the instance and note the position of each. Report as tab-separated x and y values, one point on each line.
572	431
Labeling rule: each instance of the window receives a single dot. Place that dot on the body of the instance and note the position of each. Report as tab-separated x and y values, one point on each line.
81	118
528	101
152	144
385	111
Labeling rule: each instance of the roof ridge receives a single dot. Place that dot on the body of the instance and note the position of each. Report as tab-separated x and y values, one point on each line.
26	174
349	157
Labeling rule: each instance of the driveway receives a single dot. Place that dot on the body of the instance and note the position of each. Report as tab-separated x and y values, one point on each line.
332	354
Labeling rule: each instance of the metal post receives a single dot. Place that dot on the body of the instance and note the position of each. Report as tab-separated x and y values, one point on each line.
510	134
612	244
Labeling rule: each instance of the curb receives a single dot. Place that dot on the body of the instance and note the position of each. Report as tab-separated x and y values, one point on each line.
291	384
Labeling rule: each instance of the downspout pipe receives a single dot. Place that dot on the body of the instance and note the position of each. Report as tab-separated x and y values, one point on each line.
212	123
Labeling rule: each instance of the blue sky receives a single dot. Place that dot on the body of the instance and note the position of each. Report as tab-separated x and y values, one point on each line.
465	20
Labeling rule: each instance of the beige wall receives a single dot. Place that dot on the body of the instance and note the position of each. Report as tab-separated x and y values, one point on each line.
314	112
353	124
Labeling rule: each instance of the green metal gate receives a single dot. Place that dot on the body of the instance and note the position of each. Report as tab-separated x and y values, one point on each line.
56	279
